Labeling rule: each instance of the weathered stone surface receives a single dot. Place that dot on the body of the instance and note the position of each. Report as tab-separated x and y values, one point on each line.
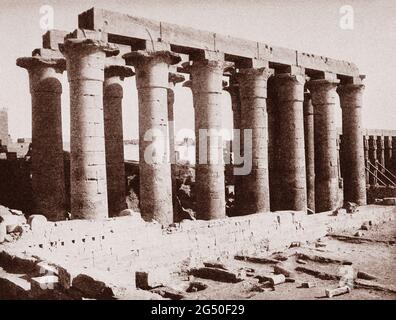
324	97
352	142
336	292
37	222
92	288
3	230
309	150
218	274
114	138
207	78
290	97
389	201
85	59
273	279
253	94
152	71
151	279
48	179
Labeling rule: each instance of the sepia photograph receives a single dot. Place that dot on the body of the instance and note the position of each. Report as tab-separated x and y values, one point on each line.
197	155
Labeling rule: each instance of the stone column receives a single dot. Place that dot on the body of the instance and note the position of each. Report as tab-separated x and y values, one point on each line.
207	76
324	97
85	67
366	157
373	159
353	151
273	143
233	90
309	150
381	152
173	79
152	81
48	179
291	166
253	95
114	138
393	167
388	152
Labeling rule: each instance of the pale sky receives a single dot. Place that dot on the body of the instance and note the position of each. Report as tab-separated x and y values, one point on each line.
306	25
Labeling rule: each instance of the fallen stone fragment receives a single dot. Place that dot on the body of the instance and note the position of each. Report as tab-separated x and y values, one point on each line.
14	285
295	244
365	276
365	226
16	212
196	286
339	211
318	274
218	274
3	230
338	291
308	285
263	287
39	284
37	222
92	288
351	207
290	280
149	280
167	292
261	260
320	244
281	256
321	259
215	264
279	269
389	201
366	284
272	279
358	234
351	239
301	261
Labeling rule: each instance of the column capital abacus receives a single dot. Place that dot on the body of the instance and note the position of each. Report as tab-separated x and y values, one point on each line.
351	95
120	71
136	58
174	78
30	63
76	46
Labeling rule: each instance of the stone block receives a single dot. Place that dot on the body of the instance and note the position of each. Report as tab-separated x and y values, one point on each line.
389	201
37	222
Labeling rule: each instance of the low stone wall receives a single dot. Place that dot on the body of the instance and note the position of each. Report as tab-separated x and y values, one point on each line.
120	246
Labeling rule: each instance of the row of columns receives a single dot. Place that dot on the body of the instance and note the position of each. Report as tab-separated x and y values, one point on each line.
282	144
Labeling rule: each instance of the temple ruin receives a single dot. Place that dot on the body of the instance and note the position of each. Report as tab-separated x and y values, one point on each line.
301	163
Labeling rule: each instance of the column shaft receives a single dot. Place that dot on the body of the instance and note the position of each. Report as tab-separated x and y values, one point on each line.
233	90
253	94
353	155
373	156
309	150
292	179
85	67
152	71
381	152
114	138
324	96
388	152
210	185
48	180
273	144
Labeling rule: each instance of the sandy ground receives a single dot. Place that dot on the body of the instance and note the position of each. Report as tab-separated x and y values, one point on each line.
372	255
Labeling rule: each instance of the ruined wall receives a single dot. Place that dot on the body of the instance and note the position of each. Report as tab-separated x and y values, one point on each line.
126	244
3	127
